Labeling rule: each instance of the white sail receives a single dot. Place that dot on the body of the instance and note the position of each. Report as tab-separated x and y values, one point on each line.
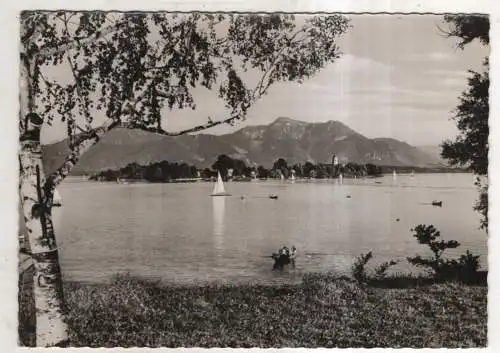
219	189
394	175
219	185
57	200
292	177
341	179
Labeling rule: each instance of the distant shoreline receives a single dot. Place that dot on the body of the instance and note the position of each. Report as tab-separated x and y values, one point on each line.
246	180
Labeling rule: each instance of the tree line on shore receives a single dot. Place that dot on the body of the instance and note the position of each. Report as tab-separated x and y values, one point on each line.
233	168
228	167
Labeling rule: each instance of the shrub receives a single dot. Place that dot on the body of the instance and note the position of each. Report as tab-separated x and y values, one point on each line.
428	235
464	269
469	266
381	270
358	268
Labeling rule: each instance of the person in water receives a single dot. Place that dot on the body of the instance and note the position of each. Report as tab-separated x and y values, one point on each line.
281	258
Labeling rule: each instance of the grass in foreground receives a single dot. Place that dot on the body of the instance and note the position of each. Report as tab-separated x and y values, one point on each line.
323	311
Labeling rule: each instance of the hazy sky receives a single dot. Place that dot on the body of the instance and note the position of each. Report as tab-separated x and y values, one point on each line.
398	77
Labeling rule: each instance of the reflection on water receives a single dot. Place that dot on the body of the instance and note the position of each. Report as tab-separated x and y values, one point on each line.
218	204
167	230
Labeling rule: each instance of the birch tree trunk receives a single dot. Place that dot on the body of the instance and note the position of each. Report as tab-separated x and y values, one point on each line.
51	329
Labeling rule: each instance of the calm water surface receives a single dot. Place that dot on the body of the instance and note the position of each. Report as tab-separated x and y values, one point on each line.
178	233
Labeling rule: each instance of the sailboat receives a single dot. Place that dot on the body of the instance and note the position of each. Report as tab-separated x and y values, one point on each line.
253	175
394	174
292	178
57	199
219	189
412	174
341	179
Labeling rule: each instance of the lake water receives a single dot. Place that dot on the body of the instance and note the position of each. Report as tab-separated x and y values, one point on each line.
178	233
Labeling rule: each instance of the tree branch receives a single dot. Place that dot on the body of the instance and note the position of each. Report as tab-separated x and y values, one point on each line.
81	98
83	142
260	88
76	42
197	128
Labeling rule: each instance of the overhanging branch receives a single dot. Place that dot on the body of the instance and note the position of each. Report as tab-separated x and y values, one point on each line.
83	142
197	128
77	42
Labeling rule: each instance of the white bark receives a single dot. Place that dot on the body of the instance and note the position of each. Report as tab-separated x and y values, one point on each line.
51	329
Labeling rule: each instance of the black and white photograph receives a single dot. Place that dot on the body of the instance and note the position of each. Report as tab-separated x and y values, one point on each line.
253	179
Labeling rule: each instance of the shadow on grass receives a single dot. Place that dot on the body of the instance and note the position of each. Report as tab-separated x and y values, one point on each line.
403	280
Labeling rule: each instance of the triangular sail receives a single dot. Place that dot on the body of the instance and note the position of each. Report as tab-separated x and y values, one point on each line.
219	185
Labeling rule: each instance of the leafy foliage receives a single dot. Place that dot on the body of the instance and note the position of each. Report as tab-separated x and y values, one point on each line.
224	163
132	66
482	205
469	27
470	148
428	235
281	166
381	270
360	274
154	172
469	266
373	169
464	269
358	268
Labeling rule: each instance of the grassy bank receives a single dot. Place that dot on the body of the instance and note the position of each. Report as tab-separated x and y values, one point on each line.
323	311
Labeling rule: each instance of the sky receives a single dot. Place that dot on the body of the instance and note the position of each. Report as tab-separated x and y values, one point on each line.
398	77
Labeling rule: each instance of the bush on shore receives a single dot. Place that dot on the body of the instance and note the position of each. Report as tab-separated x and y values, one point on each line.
465	269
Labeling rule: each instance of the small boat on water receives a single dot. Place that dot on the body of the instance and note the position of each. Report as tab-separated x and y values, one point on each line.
437	203
273	196
219	189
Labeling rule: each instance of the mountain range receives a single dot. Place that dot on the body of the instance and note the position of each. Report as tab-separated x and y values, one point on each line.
295	141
